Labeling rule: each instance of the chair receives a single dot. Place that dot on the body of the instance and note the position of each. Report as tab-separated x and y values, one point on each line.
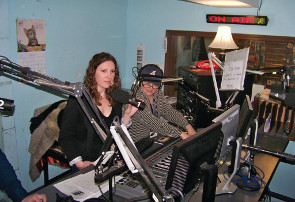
44	147
54	155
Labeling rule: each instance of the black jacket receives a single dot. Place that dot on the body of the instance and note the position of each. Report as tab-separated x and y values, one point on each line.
77	136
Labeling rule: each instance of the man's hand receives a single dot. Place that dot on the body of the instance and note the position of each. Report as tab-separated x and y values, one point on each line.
35	198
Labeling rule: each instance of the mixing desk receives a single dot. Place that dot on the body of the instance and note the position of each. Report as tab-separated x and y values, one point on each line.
131	187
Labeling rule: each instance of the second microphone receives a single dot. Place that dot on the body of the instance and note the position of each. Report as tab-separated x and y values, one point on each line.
123	97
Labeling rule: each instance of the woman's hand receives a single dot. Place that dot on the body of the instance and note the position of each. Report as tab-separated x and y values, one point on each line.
83	164
35	198
265	94
190	130
184	135
129	112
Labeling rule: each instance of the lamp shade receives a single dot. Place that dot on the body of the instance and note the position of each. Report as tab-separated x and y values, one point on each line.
223	39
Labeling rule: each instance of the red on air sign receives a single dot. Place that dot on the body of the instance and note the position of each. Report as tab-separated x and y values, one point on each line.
237	19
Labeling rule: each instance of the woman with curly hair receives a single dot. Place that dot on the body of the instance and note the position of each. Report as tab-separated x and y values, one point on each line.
77	136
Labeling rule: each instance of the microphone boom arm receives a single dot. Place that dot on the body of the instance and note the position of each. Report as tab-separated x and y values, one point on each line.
211	56
77	90
285	157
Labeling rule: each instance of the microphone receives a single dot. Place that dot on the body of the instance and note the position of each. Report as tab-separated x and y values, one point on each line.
6	105
123	97
288	78
286	98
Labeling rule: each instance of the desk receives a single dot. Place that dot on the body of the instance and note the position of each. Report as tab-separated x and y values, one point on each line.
264	161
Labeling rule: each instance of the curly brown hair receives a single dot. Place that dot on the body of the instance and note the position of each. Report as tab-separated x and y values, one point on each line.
89	78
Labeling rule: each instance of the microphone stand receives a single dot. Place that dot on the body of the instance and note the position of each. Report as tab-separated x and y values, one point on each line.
77	90
285	75
248	184
212	57
134	87
207	102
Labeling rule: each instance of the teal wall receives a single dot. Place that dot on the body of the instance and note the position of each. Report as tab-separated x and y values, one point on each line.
77	29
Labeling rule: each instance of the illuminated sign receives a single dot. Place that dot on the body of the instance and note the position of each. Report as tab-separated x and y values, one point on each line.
237	19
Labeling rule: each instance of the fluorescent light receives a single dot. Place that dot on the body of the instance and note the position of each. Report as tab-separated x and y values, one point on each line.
228	3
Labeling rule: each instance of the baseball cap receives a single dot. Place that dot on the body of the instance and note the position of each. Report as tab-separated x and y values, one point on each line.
151	73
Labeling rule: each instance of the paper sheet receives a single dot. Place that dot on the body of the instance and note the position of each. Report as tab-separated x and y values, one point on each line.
235	69
83	187
233	76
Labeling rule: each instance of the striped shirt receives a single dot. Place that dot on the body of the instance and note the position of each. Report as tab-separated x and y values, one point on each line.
155	120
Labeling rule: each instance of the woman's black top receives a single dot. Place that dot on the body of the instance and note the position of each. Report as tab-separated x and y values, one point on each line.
77	136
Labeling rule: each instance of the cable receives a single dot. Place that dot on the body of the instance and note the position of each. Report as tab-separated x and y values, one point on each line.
251	181
103	194
113	178
258	10
261	180
135	71
247	180
261	171
105	198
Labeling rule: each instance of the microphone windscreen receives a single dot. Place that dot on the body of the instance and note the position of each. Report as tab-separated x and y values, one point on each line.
277	96
290	100
6	105
120	96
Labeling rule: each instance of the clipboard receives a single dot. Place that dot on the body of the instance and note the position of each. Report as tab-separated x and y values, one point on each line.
234	71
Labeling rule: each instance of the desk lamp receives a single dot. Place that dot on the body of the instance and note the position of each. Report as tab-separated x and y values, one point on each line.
223	40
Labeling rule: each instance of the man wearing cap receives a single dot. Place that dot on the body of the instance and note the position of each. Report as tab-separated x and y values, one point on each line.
154	118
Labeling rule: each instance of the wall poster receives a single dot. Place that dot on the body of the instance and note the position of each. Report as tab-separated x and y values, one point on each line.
31	44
